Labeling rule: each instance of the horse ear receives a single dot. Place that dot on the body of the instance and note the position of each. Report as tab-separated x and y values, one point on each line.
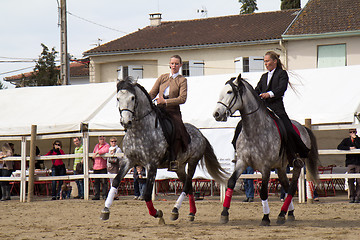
238	80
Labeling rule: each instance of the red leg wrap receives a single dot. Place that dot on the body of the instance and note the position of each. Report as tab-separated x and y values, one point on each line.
286	204
228	196
150	206
192	204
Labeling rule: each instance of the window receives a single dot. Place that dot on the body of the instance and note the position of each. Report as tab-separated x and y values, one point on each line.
249	64
134	71
246	64
331	56
185	69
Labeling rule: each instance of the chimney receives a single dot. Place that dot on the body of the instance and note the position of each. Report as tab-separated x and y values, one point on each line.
155	19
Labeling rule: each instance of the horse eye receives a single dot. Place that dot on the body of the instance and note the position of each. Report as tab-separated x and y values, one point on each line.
229	92
132	98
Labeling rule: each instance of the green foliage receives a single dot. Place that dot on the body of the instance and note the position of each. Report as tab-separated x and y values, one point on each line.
248	6
45	71
2	86
290	4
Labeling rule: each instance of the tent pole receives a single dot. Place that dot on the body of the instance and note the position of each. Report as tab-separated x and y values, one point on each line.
23	170
32	164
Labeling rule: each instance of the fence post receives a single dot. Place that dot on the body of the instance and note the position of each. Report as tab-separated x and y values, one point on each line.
86	142
32	163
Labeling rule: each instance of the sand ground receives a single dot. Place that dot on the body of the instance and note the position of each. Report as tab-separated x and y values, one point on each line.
331	218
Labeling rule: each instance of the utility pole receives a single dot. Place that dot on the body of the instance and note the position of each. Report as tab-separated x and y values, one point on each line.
64	58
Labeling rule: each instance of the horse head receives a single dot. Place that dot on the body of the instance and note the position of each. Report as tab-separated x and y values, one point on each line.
230	99
126	101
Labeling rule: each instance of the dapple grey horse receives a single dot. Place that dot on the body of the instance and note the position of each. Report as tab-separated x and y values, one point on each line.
144	144
259	146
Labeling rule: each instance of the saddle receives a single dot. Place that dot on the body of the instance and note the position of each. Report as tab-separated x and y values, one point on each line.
285	138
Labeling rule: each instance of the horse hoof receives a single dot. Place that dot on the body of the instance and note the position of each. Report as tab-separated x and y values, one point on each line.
105	214
174	214
191	217
280	220
291	218
265	223
159	214
224	219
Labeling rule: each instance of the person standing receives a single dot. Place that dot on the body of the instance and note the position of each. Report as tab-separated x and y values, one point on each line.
77	169
352	162
100	167
140	176
6	169
249	185
57	169
113	163
171	90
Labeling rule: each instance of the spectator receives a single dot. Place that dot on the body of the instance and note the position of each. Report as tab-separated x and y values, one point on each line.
136	184
6	168
65	191
249	185
140	176
78	169
113	162
57	169
352	162
100	167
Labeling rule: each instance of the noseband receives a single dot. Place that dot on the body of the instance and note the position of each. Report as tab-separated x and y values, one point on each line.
238	92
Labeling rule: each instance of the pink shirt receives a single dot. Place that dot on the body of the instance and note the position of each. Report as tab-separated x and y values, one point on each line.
99	162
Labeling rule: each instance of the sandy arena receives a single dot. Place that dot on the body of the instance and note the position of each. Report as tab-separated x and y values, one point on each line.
331	218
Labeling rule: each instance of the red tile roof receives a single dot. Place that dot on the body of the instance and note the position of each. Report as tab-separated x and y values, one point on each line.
77	69
327	16
201	32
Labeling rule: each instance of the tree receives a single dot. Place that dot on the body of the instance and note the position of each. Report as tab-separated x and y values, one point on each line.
45	71
248	6
290	4
2	85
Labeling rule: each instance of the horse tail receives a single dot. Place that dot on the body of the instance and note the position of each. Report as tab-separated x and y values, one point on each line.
313	158
212	164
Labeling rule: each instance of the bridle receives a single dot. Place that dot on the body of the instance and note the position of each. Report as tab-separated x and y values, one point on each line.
136	118
238	92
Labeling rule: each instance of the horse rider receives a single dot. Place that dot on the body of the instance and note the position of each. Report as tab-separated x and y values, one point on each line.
172	91
271	89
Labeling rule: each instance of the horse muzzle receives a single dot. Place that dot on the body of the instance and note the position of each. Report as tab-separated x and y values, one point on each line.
220	117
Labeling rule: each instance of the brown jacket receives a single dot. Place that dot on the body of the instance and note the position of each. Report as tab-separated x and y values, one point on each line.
177	91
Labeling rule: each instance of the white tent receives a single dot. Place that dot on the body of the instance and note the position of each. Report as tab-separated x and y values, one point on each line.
326	95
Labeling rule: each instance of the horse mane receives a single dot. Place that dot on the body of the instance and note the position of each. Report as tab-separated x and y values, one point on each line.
127	84
253	92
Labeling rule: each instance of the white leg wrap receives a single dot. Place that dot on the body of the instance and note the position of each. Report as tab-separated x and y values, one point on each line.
179	200
110	197
266	209
291	206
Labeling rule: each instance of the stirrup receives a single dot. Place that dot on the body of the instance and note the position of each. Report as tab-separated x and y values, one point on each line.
173	166
298	162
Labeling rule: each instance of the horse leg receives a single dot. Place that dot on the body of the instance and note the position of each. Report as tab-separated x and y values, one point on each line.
229	192
284	181
124	168
186	179
148	192
288	203
264	198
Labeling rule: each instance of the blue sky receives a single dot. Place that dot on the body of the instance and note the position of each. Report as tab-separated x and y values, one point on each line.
26	24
